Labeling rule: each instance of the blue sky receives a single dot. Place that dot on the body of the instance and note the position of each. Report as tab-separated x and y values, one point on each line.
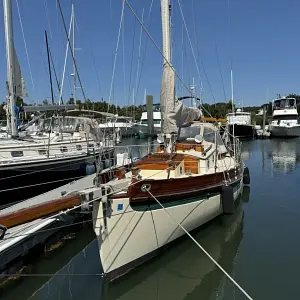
264	35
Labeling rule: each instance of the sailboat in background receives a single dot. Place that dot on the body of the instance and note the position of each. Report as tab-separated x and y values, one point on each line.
59	149
193	177
121	123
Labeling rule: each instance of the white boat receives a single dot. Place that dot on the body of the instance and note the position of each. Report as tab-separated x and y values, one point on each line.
192	178
239	123
46	153
50	153
124	124
141	128
285	119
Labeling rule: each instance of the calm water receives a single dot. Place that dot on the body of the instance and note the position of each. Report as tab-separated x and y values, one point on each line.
259	246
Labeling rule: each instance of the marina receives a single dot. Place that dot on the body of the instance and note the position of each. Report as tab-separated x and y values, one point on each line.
246	244
186	191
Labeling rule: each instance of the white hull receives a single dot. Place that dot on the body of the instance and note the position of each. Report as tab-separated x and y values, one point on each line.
124	131
285	131
129	237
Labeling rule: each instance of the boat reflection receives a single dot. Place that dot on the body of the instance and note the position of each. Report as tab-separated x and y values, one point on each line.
184	271
284	155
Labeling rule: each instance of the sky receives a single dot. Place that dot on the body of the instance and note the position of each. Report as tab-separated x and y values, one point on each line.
257	39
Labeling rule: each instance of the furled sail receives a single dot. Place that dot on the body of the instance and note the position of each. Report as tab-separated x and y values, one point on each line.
174	113
19	84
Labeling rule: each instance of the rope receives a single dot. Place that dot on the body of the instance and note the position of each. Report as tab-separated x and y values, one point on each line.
47	15
93	200
145	48
201	247
28	61
71	50
131	66
156	46
51	274
196	63
115	59
190	42
38	184
42	170
139	56
197	44
65	62
123	58
57	227
219	66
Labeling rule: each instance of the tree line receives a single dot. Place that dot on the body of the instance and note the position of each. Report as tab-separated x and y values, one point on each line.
217	110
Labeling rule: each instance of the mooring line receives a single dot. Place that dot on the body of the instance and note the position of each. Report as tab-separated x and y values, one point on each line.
201	247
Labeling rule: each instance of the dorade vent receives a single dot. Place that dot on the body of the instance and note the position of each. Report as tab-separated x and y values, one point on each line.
17	153
63	149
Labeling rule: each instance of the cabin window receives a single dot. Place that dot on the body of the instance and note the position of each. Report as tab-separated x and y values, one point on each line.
285	117
42	151
209	135
78	147
155	121
180	170
189	132
63	149
208	164
17	153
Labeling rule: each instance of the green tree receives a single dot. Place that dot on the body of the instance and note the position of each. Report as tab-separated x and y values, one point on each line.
45	102
71	101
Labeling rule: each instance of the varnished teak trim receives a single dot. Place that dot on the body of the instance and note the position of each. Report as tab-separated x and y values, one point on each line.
31	213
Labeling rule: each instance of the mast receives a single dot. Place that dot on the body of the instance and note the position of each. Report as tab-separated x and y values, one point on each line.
233	112
165	16
10	57
173	112
193	100
73	33
167	73
49	67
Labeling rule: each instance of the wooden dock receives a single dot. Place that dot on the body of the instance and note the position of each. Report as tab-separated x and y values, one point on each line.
29	223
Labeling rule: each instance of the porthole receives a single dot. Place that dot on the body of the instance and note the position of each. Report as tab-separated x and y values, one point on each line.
63	149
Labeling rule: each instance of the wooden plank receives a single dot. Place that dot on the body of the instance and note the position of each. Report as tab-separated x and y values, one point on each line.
37	211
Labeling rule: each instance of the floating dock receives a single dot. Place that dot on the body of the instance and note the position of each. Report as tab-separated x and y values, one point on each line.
27	227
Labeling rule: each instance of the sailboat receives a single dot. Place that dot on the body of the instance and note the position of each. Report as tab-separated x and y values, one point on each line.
58	150
193	177
122	123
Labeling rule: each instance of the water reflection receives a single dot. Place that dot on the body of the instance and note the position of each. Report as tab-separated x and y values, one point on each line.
283	155
51	263
181	272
